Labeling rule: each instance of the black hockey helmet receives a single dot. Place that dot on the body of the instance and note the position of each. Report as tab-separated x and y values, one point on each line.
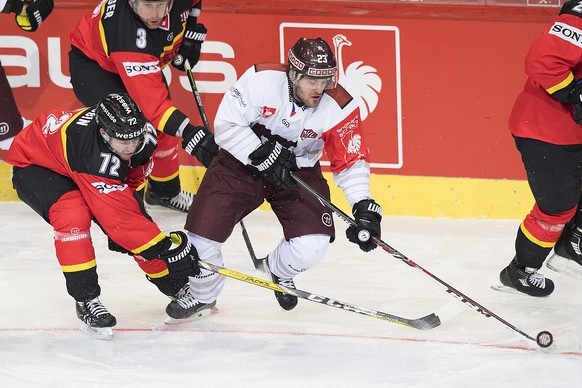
312	58
120	117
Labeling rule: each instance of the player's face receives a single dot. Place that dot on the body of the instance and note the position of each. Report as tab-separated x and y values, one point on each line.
151	12
125	149
309	90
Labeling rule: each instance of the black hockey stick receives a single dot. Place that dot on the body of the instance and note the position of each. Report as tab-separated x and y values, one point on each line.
423	323
544	338
256	262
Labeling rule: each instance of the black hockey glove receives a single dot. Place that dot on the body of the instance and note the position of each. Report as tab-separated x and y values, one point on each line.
198	142
36	12
368	215
191	45
115	247
575	97
183	259
275	163
572	94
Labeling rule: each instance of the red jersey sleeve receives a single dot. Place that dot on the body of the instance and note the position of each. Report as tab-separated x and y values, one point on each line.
345	144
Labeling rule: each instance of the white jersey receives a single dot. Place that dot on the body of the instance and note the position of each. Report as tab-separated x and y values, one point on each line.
260	108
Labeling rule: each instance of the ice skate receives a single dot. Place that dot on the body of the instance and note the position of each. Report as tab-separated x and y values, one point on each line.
96	321
567	256
180	202
185	308
517	279
286	301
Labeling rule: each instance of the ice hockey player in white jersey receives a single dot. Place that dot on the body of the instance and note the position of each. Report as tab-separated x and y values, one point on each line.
273	122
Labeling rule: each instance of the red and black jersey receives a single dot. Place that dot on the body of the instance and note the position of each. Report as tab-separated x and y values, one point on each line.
116	38
553	61
69	143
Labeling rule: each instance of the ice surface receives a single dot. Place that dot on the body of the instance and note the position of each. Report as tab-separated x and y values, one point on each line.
251	342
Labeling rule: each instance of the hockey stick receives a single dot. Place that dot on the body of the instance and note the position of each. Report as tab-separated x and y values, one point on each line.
544	339
423	323
256	262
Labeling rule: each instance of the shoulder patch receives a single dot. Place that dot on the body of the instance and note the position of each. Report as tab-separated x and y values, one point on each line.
340	95
270	66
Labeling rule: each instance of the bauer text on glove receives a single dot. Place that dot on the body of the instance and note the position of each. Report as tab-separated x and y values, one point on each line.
367	214
275	163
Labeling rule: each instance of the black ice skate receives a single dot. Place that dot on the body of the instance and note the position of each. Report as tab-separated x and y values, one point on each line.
184	306
521	280
567	256
95	319
286	301
180	202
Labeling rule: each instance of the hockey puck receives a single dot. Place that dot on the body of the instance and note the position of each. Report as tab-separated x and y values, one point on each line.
363	235
544	339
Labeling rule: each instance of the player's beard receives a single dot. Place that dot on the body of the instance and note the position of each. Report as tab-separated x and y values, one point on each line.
309	99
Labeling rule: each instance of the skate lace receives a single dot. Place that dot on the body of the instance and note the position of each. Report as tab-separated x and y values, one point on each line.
96	308
182	201
537	280
187	301
183	292
286	283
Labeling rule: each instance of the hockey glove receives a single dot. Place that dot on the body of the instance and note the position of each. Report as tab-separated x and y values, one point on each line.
572	94
575	97
368	215
275	164
115	247
190	47
198	142
182	260
34	14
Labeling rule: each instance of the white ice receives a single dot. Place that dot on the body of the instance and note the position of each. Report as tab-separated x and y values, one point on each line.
251	342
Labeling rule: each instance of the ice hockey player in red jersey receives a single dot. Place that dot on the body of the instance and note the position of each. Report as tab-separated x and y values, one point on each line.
122	46
72	167
546	123
29	16
274	121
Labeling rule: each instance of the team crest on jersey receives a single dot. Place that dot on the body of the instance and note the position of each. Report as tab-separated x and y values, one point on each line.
354	144
268	112
308	134
53	123
105	188
349	136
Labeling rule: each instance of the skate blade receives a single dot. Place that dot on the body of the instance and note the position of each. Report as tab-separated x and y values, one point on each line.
509	290
157	207
565	266
194	317
100	333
